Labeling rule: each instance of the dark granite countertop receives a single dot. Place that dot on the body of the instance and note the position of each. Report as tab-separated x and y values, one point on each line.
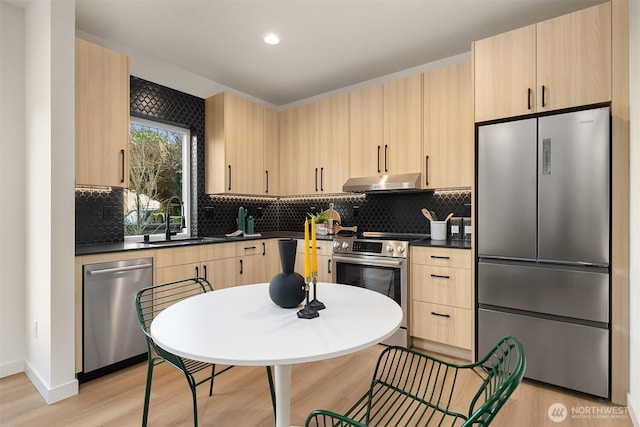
104	248
453	244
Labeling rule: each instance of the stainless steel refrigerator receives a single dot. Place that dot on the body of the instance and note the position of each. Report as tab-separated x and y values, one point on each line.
543	244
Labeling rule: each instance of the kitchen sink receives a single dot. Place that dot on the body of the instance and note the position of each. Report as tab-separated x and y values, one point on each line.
188	241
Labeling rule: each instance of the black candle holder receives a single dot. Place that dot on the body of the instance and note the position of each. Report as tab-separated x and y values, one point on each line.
308	312
318	305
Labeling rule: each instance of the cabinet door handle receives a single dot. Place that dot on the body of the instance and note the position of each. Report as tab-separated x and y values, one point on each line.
439	276
543	95
329	266
386	149
378	159
240	266
197	271
122	165
528	98
267	187
264	249
246	248
204	267
439	314
316	179
426	170
229	177
321	179
439	257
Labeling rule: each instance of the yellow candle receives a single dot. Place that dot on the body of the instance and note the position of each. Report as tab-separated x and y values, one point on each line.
306	249
314	255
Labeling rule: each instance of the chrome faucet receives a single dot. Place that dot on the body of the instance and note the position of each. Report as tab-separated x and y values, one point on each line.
172	201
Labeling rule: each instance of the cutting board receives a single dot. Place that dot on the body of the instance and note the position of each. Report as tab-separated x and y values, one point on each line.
332	214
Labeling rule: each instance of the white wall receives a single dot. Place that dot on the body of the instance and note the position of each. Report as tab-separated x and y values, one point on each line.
12	326
50	198
633	400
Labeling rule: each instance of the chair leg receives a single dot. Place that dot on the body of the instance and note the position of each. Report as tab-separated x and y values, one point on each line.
147	393
272	390
192	384
213	374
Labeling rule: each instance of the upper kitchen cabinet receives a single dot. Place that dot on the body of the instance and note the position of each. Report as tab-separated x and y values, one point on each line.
559	63
365	130
448	127
333	143
505	74
102	116
235	148
271	152
574	59
313	147
386	128
298	145
402	125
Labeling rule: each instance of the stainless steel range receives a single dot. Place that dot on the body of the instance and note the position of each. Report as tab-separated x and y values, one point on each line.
380	262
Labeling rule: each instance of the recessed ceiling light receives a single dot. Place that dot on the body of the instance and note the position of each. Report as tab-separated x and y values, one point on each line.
271	38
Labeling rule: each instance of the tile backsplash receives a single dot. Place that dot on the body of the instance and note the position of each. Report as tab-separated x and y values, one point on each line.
100	213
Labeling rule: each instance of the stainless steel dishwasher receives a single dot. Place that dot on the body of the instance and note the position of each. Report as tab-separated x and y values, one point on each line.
111	335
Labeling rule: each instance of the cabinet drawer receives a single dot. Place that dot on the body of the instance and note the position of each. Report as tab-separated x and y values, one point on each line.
253	247
323	247
441	323
441	285
177	256
443	257
217	251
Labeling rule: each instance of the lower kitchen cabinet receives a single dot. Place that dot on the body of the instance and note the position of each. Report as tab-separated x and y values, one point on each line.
256	261
324	250
442	300
215	262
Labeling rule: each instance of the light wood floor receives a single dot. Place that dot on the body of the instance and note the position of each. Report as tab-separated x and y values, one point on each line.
241	398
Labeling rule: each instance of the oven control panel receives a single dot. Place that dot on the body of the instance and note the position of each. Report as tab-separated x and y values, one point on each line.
385	248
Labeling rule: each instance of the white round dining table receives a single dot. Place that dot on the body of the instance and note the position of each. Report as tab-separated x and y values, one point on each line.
242	326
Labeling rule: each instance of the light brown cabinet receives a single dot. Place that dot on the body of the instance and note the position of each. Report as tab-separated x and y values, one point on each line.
441	299
239	133
271	152
386	128
365	131
102	116
402	123
298	142
313	142
559	63
256	261
448	127
324	250
214	262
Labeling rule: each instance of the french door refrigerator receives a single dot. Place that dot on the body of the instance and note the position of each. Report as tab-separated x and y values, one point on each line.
543	244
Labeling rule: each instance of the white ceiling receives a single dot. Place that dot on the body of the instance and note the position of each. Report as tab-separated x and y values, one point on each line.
326	44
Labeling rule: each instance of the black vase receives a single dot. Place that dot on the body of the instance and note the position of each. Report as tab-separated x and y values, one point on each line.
286	289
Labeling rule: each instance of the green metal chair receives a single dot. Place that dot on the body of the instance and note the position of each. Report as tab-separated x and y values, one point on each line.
414	389
150	302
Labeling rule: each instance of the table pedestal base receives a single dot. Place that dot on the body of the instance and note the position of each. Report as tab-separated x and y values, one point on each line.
282	375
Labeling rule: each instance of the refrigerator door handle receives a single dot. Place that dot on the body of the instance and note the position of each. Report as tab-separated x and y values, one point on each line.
546	156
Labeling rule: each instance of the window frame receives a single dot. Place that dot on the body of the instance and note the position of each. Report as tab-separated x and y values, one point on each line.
186	175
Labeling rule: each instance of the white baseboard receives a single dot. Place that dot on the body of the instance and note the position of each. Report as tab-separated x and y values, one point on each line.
11	368
51	395
633	406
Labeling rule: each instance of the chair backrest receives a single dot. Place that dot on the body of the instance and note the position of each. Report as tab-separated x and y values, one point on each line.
502	370
150	301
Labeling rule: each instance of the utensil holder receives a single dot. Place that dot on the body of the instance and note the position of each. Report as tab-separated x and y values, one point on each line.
438	230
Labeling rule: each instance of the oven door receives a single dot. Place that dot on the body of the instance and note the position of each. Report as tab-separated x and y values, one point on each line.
387	276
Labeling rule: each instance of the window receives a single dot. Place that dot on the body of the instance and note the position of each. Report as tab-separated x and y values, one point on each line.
158	171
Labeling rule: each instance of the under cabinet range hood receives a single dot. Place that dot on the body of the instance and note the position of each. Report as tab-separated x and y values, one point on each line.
395	182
